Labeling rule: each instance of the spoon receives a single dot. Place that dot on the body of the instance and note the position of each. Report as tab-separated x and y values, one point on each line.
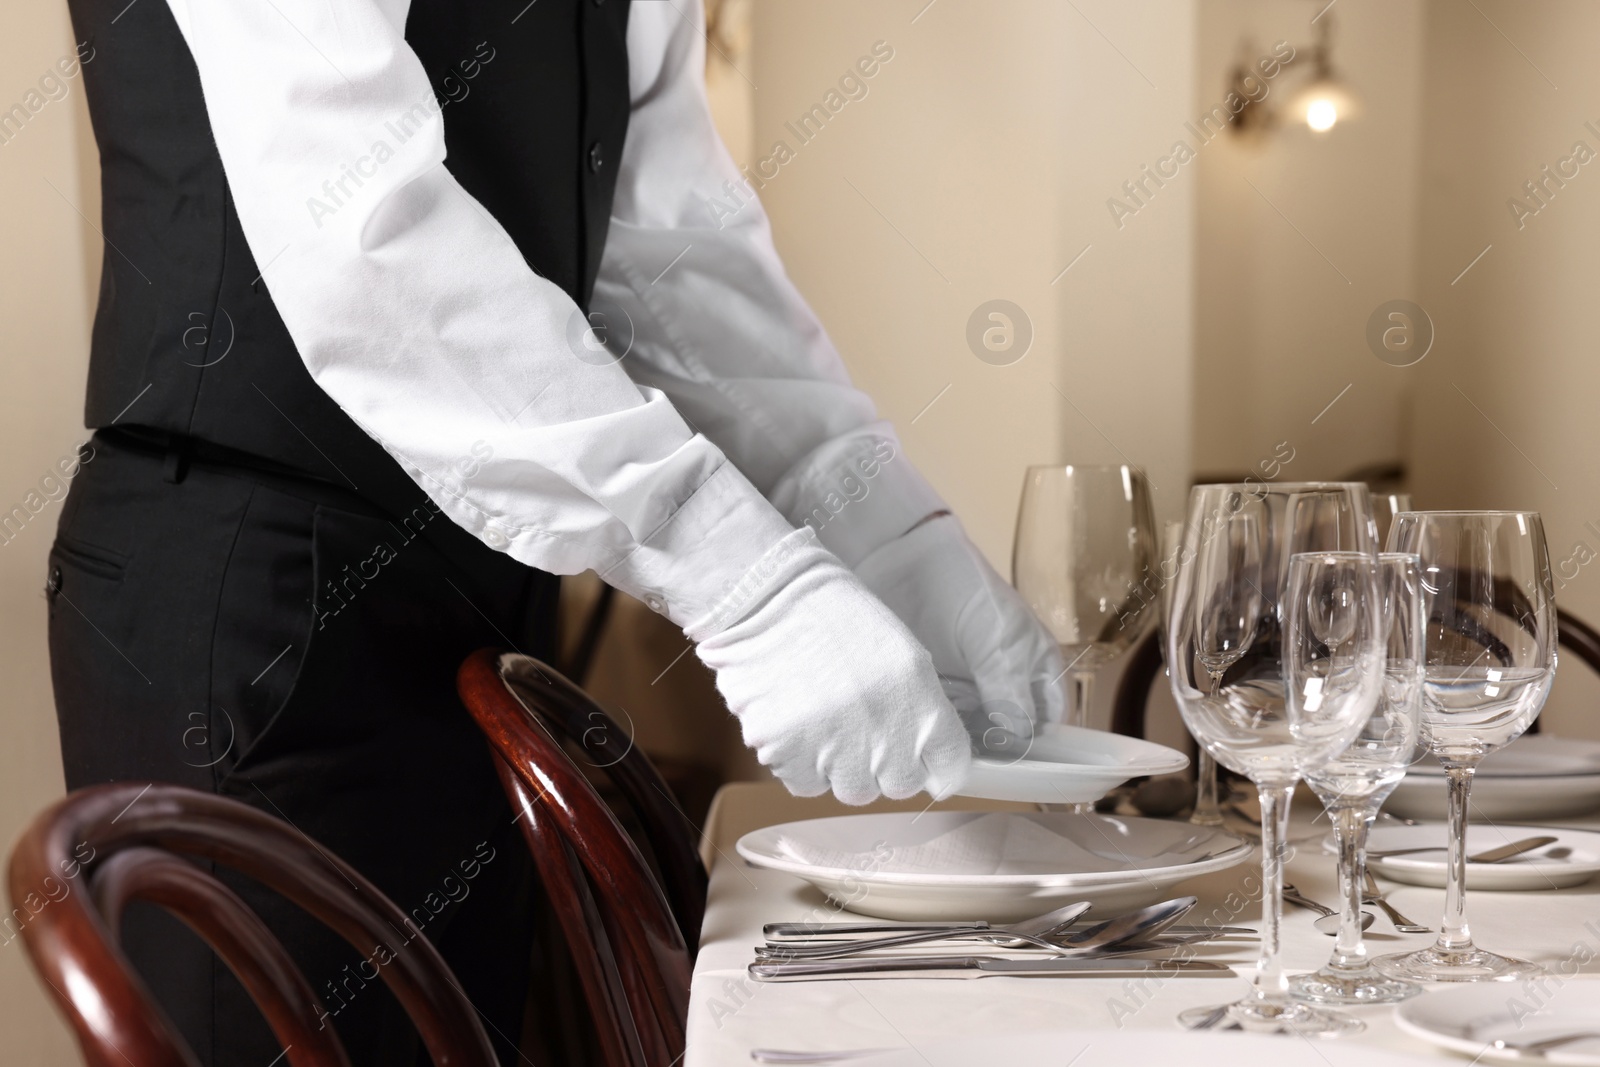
1030	931
1539	1048
1328	922
1057	919
1139	925
1493	855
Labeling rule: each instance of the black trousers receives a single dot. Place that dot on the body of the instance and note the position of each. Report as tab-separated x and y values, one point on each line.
284	643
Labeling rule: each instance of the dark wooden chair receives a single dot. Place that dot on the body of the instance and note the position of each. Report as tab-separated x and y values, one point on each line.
627	942
84	859
568	713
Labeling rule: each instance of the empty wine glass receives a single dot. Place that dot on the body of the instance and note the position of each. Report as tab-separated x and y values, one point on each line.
1490	656
1207	806
1084	561
1385	506
1354	785
1237	636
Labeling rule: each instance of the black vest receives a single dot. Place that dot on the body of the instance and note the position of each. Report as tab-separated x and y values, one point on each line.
186	339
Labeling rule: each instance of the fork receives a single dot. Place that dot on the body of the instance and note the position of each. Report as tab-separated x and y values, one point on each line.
1375	897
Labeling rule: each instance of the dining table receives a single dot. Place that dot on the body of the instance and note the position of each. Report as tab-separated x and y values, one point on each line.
730	1014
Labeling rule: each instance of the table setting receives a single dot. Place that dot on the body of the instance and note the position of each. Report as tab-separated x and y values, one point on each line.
1358	686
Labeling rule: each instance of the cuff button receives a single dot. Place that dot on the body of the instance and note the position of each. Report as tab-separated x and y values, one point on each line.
495	539
655	604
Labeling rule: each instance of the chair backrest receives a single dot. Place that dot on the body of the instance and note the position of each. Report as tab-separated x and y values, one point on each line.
570	713
84	859
626	942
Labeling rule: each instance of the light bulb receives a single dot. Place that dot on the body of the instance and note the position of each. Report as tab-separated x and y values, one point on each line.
1321	115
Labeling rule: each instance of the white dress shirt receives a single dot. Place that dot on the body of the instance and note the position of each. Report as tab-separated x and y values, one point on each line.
413	309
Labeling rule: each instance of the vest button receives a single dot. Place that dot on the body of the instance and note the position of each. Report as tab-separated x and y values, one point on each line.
597	158
599	3
54	585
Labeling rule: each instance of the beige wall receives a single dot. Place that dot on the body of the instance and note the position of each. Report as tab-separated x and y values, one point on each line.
49	266
976	169
1516	334
1290	269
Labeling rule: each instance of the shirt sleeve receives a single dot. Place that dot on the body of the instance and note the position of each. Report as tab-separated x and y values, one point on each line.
416	313
706	314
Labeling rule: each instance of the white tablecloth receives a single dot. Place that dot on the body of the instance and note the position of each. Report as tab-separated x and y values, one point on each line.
729	1014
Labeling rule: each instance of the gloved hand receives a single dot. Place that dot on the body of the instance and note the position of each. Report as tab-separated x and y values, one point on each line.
1000	667
830	688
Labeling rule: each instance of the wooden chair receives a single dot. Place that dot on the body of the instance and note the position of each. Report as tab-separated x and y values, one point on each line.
566	712
84	859
628	944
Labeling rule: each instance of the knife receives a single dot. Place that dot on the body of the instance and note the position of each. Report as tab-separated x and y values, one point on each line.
821	933
979	967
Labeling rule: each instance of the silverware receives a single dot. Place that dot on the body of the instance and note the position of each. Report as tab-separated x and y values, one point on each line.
1216	1015
978	967
1328	919
1540	1047
783	1055
1141	925
1176	929
1053	920
1375	897
1493	855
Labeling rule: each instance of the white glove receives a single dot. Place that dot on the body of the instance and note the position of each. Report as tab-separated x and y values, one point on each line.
830	688
1000	667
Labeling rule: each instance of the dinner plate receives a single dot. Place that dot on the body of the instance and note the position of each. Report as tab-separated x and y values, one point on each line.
999	866
1531	755
1537	776
1573	859
1069	765
1117	1048
1470	1018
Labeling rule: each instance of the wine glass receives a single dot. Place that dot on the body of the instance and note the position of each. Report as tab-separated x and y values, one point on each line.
1385	506
1207	809
1356	783
1083	561
1490	655
1239	610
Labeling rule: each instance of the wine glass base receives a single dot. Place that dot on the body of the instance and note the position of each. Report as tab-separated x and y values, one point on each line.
1301	1020
1471	965
1365	986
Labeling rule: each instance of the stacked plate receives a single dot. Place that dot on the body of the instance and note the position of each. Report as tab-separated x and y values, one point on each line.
1068	765
999	866
1537	776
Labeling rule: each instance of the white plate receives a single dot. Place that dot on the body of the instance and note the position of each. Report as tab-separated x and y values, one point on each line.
1531	756
1118	1048
1069	765
1000	866
1572	860
1537	776
1510	799
1470	1018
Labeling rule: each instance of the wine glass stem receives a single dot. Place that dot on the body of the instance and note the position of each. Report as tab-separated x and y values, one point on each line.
1350	836
1207	812
1081	698
1454	936
1272	985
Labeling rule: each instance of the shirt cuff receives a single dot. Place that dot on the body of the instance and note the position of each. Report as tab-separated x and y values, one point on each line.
858	492
712	561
